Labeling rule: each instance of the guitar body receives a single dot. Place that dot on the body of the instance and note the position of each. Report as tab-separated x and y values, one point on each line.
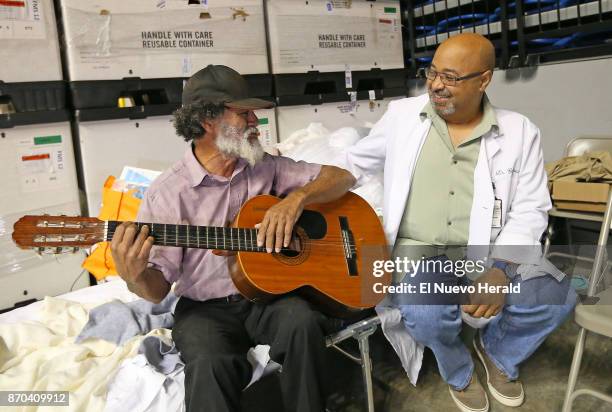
323	270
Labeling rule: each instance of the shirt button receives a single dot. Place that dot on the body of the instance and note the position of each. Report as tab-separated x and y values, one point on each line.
452	192
449	223
454	162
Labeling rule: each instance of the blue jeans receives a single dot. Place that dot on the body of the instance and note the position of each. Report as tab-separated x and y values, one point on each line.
509	339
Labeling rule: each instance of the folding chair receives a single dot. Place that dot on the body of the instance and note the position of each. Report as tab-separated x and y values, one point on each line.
360	331
595	317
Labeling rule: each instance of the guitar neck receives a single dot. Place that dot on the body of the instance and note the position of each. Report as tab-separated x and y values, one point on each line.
201	237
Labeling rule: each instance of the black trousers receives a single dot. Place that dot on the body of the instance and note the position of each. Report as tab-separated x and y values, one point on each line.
214	337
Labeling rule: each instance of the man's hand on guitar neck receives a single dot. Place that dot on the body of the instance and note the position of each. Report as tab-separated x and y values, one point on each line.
131	256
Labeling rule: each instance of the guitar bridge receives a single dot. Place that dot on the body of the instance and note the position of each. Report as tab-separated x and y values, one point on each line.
348	244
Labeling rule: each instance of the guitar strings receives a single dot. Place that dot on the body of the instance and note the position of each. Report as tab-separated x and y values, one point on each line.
172	228
233	242
228	238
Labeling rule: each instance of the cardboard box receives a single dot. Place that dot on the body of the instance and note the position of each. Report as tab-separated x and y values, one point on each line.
584	197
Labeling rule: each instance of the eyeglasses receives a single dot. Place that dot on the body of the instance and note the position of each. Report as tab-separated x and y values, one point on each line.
449	79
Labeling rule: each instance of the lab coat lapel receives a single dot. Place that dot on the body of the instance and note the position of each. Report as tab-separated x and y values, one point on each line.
407	152
481	216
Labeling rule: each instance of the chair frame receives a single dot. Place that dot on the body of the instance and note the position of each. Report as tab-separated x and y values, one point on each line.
599	265
361	332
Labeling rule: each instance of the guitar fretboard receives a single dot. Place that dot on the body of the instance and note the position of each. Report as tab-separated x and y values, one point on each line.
201	237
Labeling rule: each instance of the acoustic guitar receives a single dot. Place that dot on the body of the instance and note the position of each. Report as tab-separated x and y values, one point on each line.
330	260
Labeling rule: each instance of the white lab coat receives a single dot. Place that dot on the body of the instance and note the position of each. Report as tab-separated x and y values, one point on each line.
510	167
510	160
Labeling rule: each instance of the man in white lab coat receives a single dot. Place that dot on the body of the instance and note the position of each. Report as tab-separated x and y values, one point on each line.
458	171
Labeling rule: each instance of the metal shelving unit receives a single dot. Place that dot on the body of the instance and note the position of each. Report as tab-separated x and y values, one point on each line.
524	32
427	24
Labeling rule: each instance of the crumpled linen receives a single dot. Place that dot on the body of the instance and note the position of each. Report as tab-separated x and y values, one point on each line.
43	356
117	321
316	144
590	167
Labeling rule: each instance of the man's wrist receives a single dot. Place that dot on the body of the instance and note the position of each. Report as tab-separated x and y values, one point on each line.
504	266
501	264
300	194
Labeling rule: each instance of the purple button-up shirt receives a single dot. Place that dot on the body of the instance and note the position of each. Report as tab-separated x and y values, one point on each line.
188	194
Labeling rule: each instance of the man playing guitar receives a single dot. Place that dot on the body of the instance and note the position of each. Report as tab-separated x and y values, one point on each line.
214	325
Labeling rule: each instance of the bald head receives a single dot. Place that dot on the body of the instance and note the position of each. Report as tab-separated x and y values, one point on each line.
462	68
472	48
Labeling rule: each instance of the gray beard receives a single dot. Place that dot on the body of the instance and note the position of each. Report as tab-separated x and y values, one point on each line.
446	111
233	142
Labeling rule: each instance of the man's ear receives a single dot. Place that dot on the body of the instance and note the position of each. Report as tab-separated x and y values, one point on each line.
209	126
485	80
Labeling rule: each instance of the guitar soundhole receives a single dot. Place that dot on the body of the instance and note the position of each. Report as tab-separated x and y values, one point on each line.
294	248
298	250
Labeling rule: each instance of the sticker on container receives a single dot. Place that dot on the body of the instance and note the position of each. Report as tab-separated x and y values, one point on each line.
265	135
353	97
348	77
340	4
22	19
42	165
187	66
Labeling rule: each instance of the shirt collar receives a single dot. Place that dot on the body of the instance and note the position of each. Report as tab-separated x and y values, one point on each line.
197	172
489	119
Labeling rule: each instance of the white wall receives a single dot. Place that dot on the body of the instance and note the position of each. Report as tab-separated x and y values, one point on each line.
564	100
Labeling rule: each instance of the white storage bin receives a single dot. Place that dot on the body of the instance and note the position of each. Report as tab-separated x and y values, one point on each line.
326	36
114	39
38	176
29	49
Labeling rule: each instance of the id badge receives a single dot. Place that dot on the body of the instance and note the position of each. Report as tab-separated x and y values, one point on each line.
497	214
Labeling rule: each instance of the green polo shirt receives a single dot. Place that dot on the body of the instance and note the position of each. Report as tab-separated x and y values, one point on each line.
439	204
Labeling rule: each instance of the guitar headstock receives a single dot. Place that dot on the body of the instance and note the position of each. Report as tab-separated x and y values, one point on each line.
57	234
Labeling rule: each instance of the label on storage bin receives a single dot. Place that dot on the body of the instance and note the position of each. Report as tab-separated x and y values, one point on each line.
22	19
353	97
187	66
42	163
348	77
340	4
266	137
